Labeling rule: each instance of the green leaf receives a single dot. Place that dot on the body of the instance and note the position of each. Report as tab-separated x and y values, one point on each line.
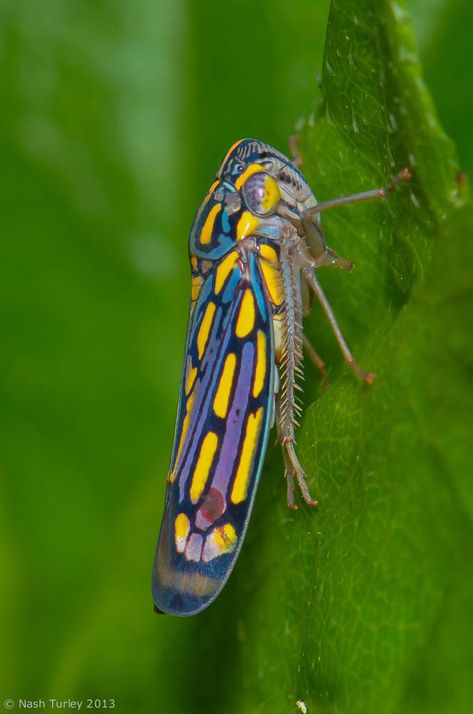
336	607
114	118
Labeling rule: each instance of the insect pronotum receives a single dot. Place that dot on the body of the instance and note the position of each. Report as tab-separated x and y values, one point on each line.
255	246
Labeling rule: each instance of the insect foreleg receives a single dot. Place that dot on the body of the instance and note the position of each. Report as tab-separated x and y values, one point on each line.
376	193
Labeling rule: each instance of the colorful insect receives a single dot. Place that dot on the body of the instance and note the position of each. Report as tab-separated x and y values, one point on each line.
255	245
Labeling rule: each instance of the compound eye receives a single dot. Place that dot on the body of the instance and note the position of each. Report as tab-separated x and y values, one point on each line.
261	193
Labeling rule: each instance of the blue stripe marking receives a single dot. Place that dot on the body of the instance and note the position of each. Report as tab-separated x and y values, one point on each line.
225	222
232	285
260	297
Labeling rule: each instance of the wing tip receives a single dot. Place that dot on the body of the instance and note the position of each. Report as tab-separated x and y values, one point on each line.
171	602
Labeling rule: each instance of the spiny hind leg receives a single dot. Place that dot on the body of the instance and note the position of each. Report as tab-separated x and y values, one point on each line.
290	485
286	411
294	472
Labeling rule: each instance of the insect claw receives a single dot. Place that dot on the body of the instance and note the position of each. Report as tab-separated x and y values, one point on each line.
403	175
330	259
367	377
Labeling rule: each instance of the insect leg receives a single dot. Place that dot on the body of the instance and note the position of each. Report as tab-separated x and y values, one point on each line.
290	486
315	357
376	193
275	393
294	149
292	466
289	357
310	277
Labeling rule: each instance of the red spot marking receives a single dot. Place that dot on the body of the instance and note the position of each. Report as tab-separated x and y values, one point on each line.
213	505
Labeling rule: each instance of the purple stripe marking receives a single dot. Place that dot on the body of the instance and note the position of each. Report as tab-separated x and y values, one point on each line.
236	416
205	393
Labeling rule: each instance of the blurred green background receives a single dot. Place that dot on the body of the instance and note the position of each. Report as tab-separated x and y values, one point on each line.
114	117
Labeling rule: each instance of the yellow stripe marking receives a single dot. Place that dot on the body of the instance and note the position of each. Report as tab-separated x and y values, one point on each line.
225	386
249	171
207	228
190	377
268	253
221	540
182	525
246	316
274	283
184	428
260	370
203	466
208	196
247	225
278	327
240	485
225	537
204	328
224	269
213	187
196	284
194	262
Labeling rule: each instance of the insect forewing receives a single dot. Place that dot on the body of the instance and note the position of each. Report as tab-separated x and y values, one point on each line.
222	428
